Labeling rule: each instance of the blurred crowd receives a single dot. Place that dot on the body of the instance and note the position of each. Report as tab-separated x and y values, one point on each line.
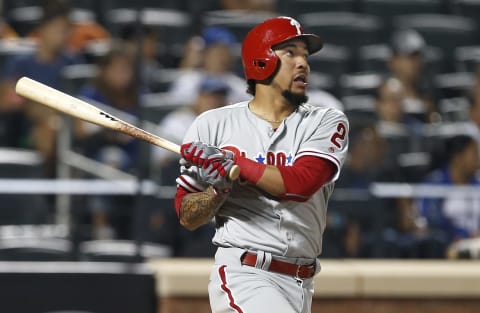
413	106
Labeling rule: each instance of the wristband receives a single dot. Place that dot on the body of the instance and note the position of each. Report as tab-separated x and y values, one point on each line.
250	170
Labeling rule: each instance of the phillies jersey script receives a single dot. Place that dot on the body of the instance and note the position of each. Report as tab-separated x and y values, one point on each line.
250	218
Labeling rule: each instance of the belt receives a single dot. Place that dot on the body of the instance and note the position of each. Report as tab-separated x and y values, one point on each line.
299	271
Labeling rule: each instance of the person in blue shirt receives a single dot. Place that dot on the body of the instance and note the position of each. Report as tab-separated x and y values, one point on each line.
115	85
44	64
456	215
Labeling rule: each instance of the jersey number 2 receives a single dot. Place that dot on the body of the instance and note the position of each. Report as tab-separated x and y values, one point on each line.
339	135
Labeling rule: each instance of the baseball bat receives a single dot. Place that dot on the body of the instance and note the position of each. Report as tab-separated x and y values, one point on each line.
60	101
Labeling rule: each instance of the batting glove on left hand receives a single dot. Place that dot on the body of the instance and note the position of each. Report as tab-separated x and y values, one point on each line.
201	154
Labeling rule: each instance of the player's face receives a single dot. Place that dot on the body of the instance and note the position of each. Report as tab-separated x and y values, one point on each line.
292	76
390	102
407	67
294	68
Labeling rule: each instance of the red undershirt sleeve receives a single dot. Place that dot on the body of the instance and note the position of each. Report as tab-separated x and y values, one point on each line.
305	177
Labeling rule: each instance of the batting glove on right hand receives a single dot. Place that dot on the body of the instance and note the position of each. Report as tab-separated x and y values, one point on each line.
216	174
201	154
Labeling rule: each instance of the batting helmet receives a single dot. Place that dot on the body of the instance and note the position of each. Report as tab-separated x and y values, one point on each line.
259	59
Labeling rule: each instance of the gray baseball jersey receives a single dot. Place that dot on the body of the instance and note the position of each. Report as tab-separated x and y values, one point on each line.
252	219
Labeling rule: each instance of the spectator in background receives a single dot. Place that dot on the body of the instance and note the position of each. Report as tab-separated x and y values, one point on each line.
407	65
83	28
114	86
402	132
407	234
217	60
192	54
456	215
471	125
51	56
212	93
150	51
14	123
45	65
355	222
391	97
85	31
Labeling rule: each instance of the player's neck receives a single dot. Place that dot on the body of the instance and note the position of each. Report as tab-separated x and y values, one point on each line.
273	112
272	101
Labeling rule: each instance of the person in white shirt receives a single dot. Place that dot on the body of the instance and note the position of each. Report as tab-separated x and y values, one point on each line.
217	60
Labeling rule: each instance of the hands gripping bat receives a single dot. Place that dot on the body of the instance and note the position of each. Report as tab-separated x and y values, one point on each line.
67	104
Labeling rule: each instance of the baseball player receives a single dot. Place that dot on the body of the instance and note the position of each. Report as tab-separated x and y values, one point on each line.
269	223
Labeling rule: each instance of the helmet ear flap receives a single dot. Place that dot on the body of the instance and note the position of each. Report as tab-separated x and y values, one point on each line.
264	67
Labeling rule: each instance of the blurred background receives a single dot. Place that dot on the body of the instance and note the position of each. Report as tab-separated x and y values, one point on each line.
406	73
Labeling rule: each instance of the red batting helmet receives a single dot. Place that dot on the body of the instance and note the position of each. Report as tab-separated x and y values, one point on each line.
259	60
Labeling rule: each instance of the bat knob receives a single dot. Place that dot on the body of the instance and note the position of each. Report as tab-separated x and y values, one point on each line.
234	172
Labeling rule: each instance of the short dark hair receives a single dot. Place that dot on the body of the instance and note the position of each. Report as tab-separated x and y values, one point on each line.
251	83
251	87
52	9
456	145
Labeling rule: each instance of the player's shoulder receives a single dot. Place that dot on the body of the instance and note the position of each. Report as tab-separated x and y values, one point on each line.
321	112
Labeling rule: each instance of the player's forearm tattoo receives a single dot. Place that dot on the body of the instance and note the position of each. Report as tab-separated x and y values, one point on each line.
199	208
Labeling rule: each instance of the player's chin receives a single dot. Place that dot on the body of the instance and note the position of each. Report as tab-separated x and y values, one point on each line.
294	97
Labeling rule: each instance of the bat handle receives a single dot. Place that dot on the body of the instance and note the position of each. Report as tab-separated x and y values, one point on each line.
234	172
